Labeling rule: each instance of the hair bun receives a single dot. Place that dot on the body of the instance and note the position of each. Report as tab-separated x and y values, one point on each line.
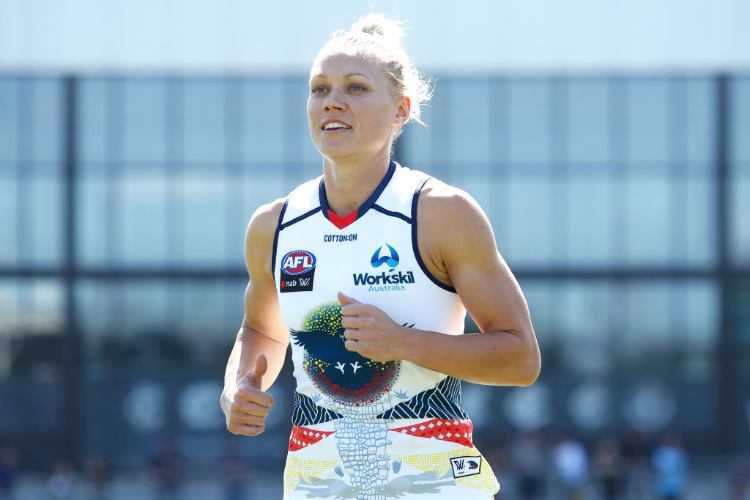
373	28
378	24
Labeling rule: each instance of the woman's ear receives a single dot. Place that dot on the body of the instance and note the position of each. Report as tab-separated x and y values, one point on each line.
403	111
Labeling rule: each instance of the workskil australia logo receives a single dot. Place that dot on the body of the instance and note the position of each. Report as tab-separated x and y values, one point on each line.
389	256
297	271
385	281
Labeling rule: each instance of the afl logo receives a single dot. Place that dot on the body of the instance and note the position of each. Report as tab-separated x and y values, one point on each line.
298	262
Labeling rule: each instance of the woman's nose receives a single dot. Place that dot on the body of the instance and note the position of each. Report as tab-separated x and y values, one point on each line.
334	101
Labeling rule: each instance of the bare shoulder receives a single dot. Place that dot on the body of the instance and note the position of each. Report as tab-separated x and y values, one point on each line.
264	220
442	206
439	199
452	228
260	234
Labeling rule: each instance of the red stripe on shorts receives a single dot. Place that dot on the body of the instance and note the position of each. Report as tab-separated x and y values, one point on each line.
302	437
455	431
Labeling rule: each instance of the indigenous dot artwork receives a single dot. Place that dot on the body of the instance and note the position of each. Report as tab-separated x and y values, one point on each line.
344	377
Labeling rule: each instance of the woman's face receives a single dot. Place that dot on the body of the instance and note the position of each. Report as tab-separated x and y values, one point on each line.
352	107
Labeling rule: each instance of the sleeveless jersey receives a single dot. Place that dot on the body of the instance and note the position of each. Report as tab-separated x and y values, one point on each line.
364	429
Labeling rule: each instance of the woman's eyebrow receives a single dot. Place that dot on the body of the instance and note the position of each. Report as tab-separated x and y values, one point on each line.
323	75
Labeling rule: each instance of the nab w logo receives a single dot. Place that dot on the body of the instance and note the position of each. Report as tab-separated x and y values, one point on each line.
466	466
385	255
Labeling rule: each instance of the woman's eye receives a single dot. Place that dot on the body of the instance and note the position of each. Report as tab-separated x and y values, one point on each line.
357	88
317	90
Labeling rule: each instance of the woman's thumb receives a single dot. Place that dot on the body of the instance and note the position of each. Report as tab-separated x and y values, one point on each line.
256	374
346	300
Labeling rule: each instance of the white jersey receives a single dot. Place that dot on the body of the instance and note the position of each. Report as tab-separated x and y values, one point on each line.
364	429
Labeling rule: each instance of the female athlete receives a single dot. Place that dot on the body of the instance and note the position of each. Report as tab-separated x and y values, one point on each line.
368	272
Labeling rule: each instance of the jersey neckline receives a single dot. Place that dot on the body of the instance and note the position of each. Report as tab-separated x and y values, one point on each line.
345	221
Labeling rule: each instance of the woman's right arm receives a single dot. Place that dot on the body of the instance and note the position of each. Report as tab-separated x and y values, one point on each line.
260	348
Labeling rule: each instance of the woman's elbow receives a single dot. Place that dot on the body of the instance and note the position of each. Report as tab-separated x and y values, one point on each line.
531	372
531	365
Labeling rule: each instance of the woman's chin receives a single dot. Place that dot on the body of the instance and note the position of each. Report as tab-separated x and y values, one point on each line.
345	153
340	153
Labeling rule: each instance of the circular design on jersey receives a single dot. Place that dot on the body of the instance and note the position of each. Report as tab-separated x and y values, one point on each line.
344	376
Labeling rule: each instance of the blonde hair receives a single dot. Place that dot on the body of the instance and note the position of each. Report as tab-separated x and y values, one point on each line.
377	38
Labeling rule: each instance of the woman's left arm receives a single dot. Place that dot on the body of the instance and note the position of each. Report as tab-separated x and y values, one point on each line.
458	246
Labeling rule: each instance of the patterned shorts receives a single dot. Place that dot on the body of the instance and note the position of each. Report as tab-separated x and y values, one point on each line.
379	460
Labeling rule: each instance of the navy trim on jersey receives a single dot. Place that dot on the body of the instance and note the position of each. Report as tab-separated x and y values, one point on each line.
367	204
415	243
398	215
276	238
300	218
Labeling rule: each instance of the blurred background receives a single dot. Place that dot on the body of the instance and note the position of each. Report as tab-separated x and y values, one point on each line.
608	142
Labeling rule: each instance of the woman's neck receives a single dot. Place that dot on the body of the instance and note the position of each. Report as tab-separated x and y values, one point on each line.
349	185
